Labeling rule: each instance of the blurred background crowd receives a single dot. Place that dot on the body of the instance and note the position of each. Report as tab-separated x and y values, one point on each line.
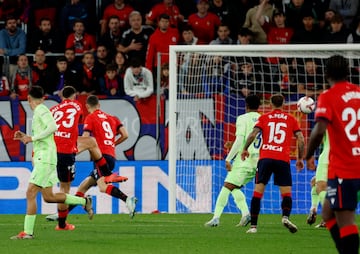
111	47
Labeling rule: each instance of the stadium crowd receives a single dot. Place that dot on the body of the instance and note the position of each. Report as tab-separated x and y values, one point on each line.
91	44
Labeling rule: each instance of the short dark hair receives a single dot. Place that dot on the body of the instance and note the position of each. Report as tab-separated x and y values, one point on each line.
164	16
79	21
61	59
9	17
68	91
244	31
135	62
337	68
252	101
36	92
186	27
277	100
92	100
111	67
45	19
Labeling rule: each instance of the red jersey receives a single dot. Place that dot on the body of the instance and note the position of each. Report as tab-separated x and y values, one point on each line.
4	86
340	106
22	82
277	128
67	115
87	42
173	12
204	28
160	42
104	128
122	14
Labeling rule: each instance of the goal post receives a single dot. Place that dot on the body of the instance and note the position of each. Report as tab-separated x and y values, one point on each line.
208	84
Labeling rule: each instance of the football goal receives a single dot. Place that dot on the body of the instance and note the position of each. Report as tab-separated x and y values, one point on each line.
208	86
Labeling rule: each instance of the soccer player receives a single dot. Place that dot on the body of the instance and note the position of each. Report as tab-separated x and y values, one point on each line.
241	172
104	128
277	128
318	190
341	120
68	143
43	176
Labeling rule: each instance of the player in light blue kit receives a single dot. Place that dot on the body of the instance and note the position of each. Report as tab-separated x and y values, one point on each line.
240	172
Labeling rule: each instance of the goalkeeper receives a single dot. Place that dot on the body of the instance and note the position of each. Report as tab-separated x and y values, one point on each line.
241	172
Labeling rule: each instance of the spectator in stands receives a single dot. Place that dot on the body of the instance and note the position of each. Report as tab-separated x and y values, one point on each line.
244	36
320	7
138	81
40	9
112	84
295	11
166	7
252	23
40	67
244	80
134	41
121	61
164	81
188	37
287	80
12	8
22	79
223	33
12	42
73	11
102	59
46	38
58	77
338	32
159	42
309	33
190	82
221	9
120	9
237	14
112	38
4	85
276	31
81	41
348	9
311	82
204	23
328	15
216	73
90	75
74	65
354	36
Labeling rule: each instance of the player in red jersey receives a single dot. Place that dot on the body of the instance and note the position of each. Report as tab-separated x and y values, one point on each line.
68	143
277	129
168	7
204	23
120	9
342	121
104	128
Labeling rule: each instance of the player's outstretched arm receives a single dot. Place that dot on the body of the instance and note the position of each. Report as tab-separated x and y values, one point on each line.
249	140
316	137
301	148
123	135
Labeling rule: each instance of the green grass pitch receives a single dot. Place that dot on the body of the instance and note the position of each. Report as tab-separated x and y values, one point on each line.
164	233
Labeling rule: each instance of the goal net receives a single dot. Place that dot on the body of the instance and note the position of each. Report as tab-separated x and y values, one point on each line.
208	85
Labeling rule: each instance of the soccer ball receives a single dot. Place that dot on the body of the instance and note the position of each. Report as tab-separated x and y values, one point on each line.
306	105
